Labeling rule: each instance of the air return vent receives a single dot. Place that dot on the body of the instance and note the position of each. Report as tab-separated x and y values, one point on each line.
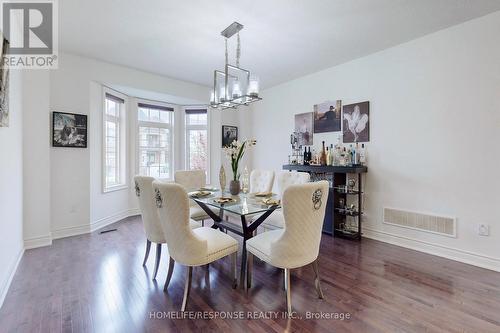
442	225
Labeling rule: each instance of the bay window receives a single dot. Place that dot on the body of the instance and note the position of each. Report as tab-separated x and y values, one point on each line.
155	136
114	139
197	145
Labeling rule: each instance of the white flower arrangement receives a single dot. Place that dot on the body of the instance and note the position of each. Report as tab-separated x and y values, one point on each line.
235	151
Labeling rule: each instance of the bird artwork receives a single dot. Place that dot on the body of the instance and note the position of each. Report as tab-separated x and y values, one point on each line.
356	122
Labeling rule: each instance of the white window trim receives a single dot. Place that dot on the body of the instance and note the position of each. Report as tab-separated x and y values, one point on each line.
171	127
186	140
122	154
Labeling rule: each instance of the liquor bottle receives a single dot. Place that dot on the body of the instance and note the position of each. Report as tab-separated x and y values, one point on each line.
327	156
362	155
330	157
343	156
355	155
336	158
309	155
322	155
351	155
305	161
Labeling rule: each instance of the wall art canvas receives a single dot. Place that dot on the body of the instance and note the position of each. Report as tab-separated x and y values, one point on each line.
304	127
69	130
229	134
4	86
327	117
357	122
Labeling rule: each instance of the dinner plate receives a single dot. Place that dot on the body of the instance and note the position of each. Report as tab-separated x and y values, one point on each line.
210	189
199	194
271	202
222	200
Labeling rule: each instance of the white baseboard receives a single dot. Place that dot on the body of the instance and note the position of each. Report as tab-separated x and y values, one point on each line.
34	242
466	257
93	226
101	223
5	288
71	231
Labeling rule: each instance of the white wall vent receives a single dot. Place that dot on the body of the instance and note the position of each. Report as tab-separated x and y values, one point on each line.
441	225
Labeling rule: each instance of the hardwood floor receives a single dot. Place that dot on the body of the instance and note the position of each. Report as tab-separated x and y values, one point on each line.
96	283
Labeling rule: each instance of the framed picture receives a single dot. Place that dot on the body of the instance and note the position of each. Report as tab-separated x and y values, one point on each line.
304	127
229	134
327	117
357	122
4	85
69	130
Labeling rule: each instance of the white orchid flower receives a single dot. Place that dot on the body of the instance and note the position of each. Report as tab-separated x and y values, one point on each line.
356	122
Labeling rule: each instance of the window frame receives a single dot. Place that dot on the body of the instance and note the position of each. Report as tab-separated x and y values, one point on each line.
121	146
187	128
170	126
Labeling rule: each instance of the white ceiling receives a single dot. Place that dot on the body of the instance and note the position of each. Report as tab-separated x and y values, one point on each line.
282	39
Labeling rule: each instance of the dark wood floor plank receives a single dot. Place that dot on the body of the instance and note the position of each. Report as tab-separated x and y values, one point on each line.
96	283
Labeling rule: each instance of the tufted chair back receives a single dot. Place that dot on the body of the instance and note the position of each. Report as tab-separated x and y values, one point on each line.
150	219
191	179
287	178
304	210
261	181
173	207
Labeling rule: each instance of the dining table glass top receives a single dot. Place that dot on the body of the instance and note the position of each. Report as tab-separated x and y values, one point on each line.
241	204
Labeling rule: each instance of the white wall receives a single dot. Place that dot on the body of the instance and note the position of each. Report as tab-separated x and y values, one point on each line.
36	158
77	201
11	187
434	133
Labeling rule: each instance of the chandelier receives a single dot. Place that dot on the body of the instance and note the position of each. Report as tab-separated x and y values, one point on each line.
234	86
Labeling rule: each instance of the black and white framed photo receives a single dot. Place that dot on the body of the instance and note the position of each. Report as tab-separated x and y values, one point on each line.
357	122
229	134
69	130
304	123
4	85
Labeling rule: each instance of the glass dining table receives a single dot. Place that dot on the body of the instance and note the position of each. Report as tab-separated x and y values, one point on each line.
244	206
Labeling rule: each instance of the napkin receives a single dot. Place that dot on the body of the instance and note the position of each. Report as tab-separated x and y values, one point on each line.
271	202
263	194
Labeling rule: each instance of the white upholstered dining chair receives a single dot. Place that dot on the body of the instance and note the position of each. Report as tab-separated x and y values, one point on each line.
283	180
297	244
151	221
193	180
261	181
190	247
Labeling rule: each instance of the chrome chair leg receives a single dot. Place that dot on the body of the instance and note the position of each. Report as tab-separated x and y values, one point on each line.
187	287
316	279
288	291
171	264
249	269
233	269
146	255
157	263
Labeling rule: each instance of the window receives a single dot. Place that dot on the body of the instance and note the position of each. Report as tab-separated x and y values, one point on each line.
114	147
155	133
197	154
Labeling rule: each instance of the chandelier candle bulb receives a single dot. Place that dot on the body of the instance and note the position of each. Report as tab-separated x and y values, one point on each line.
212	98
236	90
253	87
222	94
